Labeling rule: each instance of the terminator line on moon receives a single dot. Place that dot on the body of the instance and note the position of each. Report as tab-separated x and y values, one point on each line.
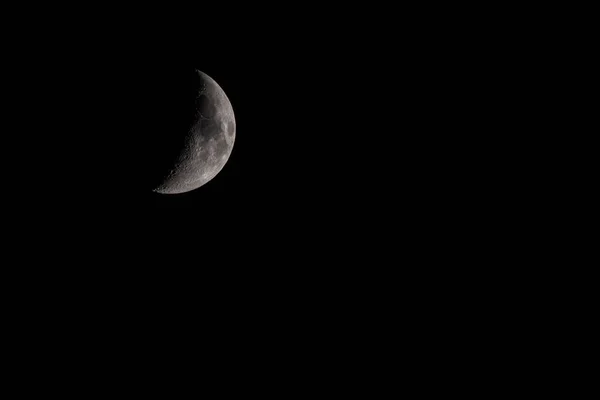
208	143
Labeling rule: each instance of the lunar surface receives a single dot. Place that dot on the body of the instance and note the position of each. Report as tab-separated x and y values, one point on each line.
208	143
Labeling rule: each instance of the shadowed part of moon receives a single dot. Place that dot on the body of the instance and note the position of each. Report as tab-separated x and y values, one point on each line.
208	143
205	107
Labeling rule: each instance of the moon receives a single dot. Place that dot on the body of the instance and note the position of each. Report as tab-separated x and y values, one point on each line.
208	143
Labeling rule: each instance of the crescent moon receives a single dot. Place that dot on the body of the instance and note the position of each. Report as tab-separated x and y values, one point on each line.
208	143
